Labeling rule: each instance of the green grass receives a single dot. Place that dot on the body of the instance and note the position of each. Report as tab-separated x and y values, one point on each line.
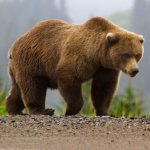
3	94
87	108
127	104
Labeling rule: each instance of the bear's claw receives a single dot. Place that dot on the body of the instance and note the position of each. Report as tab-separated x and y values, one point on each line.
48	111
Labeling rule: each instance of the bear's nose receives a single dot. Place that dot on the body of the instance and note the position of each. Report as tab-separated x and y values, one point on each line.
134	71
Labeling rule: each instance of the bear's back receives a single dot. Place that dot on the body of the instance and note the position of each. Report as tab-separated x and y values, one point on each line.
39	48
41	36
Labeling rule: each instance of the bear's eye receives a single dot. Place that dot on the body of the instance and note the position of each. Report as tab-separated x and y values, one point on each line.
126	55
138	57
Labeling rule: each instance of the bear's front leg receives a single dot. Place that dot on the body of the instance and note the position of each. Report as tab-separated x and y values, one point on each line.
71	92
104	86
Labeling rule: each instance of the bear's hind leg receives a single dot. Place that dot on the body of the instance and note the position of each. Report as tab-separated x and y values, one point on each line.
103	88
14	103
33	91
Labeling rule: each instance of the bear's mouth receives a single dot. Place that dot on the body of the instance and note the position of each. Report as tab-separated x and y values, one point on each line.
133	75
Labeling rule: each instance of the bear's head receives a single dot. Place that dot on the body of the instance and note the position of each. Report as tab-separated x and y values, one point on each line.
124	51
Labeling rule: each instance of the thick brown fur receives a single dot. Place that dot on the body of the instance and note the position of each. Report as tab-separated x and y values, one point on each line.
55	54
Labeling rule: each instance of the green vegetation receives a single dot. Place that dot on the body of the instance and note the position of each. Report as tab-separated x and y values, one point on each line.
3	93
60	108
127	104
87	109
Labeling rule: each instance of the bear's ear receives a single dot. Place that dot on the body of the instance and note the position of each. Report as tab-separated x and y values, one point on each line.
111	38
142	40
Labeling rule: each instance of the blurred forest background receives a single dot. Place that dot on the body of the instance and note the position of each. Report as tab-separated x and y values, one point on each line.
17	16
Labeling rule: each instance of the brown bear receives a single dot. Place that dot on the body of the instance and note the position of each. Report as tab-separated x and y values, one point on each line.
56	54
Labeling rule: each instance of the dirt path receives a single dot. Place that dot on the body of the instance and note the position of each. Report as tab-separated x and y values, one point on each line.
74	133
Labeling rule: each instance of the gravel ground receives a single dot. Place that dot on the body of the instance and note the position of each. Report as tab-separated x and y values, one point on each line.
74	133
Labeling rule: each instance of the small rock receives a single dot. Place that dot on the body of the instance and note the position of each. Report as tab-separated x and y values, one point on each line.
112	140
15	125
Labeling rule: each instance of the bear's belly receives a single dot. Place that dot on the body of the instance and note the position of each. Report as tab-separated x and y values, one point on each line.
48	82
52	84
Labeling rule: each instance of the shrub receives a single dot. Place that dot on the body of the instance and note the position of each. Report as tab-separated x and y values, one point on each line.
88	108
127	104
3	93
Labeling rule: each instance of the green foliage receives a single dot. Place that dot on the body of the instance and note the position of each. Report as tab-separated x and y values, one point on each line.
127	104
3	94
87	109
60	108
